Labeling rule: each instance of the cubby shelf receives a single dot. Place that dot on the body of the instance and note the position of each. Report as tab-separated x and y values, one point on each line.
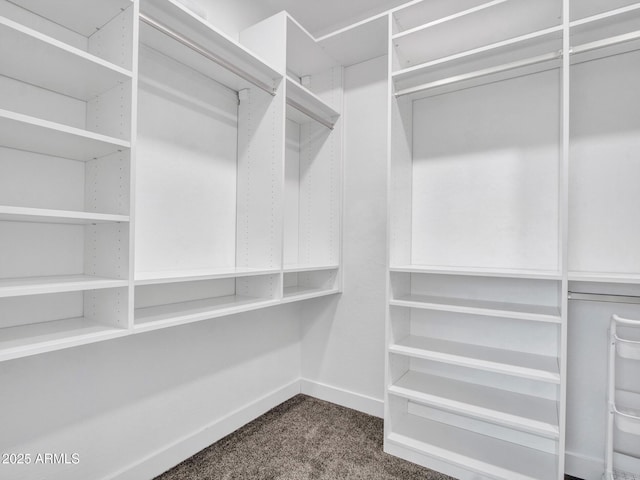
15	287
538	313
152	278
53	65
32	339
603	16
162	316
43	215
302	100
473	451
297	293
24	132
479	272
514	410
208	40
509	362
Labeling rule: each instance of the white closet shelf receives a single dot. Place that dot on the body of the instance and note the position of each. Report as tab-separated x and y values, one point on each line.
175	276
538	313
472	451
304	55
604	16
410	45
53	65
162	316
82	16
421	9
529	53
42	215
32	339
509	362
604	277
307	107
197	31
302	267
298	293
32	134
514	410
479	272
15	287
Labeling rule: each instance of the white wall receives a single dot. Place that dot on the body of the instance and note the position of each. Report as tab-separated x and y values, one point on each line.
343	339
168	393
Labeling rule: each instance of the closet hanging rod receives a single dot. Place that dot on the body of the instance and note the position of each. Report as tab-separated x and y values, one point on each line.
208	54
310	114
481	73
607	42
604	297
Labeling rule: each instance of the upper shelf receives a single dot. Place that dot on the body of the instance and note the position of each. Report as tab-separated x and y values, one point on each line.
81	16
54	65
499	21
307	107
32	134
533	52
152	278
583	9
181	34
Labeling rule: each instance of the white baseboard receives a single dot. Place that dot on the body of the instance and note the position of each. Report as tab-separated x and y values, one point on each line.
342	397
581	466
185	447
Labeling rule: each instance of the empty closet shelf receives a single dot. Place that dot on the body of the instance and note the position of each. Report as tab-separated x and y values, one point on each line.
514	410
53	65
301	267
479	272
160	316
42	215
15	287
509	362
483	454
309	105
539	313
32	134
174	276
24	340
296	293
604	277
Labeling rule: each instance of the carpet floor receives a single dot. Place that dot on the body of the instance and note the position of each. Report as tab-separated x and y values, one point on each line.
302	439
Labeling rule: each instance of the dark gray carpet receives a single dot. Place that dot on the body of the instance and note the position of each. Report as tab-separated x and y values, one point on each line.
304	438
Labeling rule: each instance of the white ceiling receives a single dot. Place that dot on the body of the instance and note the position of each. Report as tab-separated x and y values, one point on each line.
323	16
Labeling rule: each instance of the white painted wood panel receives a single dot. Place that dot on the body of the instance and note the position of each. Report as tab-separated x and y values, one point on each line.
485	176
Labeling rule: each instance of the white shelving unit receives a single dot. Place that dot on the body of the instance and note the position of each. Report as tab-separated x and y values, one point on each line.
313	157
96	245
65	156
477	313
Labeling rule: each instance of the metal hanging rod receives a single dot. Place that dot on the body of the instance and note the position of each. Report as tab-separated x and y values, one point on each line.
208	54
310	114
481	73
604	297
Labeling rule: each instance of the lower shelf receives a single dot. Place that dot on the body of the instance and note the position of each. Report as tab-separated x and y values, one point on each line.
24	340
161	316
508	362
524	412
472	451
294	294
